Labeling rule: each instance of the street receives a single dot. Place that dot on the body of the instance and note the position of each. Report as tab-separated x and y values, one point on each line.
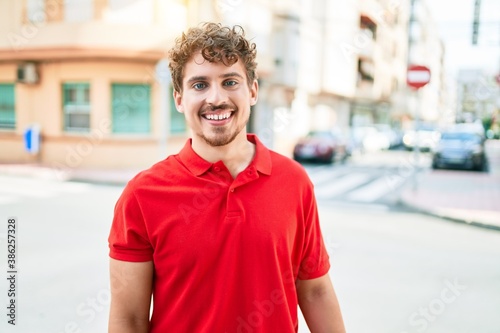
395	271
373	179
391	271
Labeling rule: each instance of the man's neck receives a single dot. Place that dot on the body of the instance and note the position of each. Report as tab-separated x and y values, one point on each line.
236	155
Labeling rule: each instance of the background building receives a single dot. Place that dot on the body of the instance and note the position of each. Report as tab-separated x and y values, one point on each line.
85	72
478	99
426	48
92	73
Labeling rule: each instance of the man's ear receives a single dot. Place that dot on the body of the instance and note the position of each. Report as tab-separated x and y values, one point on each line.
178	101
254	93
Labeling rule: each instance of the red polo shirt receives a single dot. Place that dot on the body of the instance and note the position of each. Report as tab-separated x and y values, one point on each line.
226	252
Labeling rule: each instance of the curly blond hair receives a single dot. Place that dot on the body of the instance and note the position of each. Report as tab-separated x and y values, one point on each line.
217	43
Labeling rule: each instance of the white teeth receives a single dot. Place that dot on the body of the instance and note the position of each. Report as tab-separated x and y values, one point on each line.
218	117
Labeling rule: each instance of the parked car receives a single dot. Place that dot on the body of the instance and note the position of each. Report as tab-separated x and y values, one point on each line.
321	146
426	136
460	149
375	137
369	138
393	136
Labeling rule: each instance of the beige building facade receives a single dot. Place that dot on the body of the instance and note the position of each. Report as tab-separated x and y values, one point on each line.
86	73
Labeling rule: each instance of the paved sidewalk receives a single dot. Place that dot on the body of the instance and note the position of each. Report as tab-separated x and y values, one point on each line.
97	176
461	196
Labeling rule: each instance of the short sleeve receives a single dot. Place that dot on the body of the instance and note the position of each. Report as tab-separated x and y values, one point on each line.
315	260
128	239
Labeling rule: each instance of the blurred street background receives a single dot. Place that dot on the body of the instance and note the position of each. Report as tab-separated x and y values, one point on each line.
407	178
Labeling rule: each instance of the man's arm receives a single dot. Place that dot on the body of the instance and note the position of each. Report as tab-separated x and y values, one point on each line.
319	305
131	287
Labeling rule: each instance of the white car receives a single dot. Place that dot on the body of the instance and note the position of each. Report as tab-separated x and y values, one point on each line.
425	137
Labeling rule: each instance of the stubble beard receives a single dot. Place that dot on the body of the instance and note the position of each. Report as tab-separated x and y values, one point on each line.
221	135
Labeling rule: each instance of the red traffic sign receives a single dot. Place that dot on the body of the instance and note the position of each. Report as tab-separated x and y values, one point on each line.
418	76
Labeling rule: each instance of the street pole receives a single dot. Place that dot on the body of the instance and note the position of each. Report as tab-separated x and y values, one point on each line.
416	146
417	106
163	78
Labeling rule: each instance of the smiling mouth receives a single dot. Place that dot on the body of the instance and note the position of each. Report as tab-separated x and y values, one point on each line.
217	117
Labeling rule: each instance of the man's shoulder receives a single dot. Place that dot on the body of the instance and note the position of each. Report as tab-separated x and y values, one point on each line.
160	171
284	164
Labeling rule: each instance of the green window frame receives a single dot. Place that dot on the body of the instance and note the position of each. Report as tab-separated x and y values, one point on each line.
76	106
131	108
7	106
177	120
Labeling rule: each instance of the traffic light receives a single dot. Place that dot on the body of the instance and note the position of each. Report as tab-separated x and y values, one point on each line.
475	22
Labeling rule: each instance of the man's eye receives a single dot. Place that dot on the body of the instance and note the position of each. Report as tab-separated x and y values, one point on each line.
230	83
199	86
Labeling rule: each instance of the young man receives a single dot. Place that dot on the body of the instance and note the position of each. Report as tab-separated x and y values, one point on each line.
225	234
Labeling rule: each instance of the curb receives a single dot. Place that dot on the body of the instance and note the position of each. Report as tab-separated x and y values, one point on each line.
436	213
97	181
110	177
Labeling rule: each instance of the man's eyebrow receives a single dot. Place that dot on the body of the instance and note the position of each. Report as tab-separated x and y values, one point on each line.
205	78
197	78
231	74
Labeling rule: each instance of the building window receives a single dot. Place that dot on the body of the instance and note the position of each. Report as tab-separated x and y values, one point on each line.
78	11
7	106
76	107
368	27
365	71
35	11
131	109
177	120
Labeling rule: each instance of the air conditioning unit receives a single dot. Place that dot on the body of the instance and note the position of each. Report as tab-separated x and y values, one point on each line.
27	73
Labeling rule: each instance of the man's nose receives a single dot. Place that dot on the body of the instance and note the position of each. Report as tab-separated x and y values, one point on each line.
216	95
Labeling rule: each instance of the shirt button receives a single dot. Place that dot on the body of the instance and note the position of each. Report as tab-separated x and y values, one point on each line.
217	169
232	190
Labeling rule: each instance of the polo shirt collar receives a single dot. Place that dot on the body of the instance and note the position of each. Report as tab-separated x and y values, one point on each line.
198	166
262	158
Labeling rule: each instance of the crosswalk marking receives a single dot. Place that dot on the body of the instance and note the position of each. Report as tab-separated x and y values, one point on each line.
372	191
341	185
323	175
359	186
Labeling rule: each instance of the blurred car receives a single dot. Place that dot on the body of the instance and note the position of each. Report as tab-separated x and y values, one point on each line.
369	138
393	136
375	137
460	149
321	146
426	136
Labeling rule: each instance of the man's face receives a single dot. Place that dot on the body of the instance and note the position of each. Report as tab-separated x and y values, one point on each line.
216	99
